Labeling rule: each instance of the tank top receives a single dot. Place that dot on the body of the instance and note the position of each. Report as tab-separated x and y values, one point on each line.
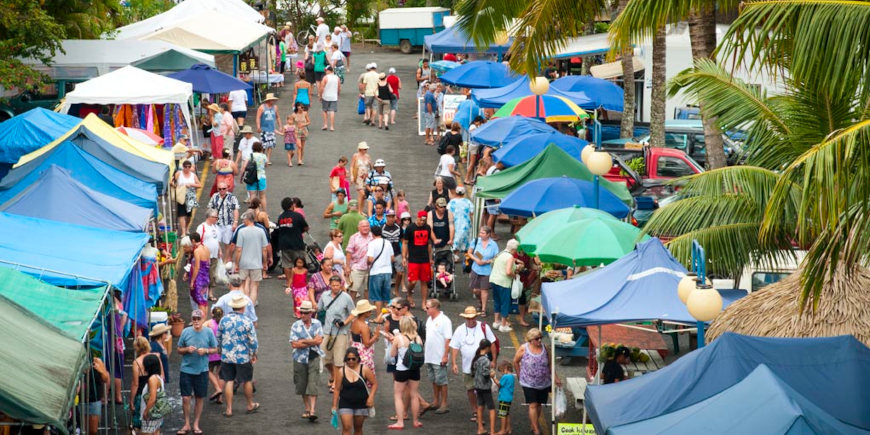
186	180
337	253
302	96
330	90
214	330
143	380
333	222
299	280
425	73
534	372
353	394
441	229
498	275
267	119
224	166
384	92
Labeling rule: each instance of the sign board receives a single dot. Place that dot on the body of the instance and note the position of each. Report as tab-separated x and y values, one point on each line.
449	106
574	429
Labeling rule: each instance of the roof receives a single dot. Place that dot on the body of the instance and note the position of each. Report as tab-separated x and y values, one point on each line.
207	31
130	85
31	130
454	40
185	10
612	70
586	45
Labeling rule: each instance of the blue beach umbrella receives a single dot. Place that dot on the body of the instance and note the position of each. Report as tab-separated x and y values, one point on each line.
523	148
500	130
602	92
479	74
209	80
547	194
442	66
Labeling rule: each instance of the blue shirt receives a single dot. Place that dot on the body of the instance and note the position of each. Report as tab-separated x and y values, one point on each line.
298	332
157	348
267	119
506	388
484	253
375	222
237	338
194	363
429	98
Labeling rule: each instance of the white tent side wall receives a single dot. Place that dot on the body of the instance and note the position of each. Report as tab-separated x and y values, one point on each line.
185	10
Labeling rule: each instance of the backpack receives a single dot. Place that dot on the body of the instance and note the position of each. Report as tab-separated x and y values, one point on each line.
414	356
442	144
250	176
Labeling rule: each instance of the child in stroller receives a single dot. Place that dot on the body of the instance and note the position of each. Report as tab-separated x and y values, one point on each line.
442	279
442	276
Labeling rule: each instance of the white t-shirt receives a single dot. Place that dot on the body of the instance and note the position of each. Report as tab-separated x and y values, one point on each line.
238	100
246	147
336	56
438	331
467	341
330	89
210	235
384	262
322	31
337	39
444	165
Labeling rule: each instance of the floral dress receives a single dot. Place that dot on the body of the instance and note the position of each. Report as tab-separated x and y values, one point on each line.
299	288
366	354
461	208
199	285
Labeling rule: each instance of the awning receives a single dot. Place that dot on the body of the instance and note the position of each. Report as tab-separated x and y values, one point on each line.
586	45
208	31
614	69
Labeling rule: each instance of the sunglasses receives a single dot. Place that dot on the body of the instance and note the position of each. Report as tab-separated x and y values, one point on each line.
338	235
196	319
351	359
222	188
536	338
305	313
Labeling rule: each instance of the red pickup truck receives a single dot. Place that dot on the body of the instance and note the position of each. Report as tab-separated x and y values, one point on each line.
636	164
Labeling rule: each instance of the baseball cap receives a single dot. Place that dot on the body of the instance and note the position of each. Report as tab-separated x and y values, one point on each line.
380	162
460	189
319	19
391	213
196	313
441	202
374	65
352	203
421	214
405	215
336	28
369	66
392	70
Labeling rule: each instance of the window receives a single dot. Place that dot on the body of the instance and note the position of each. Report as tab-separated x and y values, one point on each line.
676	140
700	145
673	167
762	279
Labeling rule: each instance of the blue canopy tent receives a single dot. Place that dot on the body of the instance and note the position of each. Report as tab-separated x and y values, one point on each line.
497	97
29	131
640	286
539	196
479	74
602	92
454	40
209	80
85	168
442	66
831	372
760	403
57	196
499	130
523	148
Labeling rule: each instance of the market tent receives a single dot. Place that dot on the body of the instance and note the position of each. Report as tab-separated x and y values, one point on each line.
639	286
454	40
540	196
522	148
57	196
131	85
551	162
31	130
497	131
208	31
184	10
209	80
40	366
466	112
760	403
479	74
832	372
497	97
64	254
603	93
128	143
71	311
586	45
85	168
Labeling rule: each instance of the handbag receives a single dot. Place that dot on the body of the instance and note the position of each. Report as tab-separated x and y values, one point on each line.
321	314
467	267
180	194
161	407
361	106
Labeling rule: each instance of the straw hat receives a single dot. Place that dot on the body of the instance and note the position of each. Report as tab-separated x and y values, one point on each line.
159	330
270	97
362	146
469	312
306	307
246	129
238	302
362	306
214	106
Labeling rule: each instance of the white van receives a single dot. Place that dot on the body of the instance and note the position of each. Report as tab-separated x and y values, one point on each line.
755	277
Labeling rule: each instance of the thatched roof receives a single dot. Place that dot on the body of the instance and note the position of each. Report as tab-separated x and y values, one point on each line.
844	308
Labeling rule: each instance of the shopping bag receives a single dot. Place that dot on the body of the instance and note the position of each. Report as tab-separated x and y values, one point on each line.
560	402
334	420
516	288
220	273
361	106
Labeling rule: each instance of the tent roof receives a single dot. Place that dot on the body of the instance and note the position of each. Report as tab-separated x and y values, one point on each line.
85	168
454	40
479	74
207	30
31	130
500	130
71	311
130	85
184	10
42	246
57	196
551	162
207	79
640	286
586	45
760	403
612	70
497	97
523	147
832	372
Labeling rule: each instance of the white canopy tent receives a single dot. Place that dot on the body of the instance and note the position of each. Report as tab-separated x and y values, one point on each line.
208	31
185	10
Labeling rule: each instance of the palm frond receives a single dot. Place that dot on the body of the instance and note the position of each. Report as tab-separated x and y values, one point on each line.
640	18
729	247
700	212
482	20
755	183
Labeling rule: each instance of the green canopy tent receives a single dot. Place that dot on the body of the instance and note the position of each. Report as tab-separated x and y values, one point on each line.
40	364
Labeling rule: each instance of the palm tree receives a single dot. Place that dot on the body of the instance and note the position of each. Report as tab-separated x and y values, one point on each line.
807	182
626	127
658	95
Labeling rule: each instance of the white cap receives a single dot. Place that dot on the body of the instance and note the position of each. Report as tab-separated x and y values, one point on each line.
405	215
320	19
392	70
336	29
374	65
368	66
380	162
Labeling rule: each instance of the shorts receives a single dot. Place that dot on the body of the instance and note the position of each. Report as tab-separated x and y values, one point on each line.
196	384
360	412
181	210
360	280
151	426
406	375
239	114
501	300
318	76
468	381
473	148
291	146
437	373
260	186
383	107
370	102
237	372
504	408
212	272
419	272
306	377
339	347
225	234
268	139
429	121
394	104
525	296
379	287
214	365
484	398
479	282
93	408
346	54
398	267
289	256
536	395
255	275
329	106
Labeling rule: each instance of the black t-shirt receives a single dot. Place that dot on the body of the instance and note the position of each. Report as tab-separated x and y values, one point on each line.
612	372
291	225
417	238
392	233
95	386
441	228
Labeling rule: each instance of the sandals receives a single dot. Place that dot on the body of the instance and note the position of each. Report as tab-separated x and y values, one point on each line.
254	409
418	425
395	427
215	396
312	418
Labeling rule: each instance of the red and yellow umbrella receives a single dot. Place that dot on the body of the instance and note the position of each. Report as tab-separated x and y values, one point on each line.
550	108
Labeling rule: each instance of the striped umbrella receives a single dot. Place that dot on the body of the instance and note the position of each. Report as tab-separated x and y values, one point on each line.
550	108
143	136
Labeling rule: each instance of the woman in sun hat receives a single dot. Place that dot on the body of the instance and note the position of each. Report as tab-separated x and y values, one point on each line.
268	119
361	336
360	166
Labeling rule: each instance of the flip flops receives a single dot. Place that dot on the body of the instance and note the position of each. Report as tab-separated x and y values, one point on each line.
254	409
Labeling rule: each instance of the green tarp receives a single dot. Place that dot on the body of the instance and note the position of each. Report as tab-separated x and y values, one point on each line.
71	311
551	162
39	366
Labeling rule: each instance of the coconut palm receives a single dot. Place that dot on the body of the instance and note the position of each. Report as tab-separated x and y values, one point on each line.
808	179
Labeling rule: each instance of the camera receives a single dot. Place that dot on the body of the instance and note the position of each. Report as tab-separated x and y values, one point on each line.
338	323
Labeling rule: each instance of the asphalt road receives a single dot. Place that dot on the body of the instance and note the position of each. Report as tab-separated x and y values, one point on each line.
412	165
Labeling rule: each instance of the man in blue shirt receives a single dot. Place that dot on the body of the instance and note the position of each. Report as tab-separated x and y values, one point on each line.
430	109
195	345
238	341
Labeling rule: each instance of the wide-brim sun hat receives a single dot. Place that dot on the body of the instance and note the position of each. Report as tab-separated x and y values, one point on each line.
362	306
380	163
469	313
246	129
238	302
362	146
306	307
159	330
270	97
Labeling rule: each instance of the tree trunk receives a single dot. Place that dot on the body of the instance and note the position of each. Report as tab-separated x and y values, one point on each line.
659	95
626	127
702	33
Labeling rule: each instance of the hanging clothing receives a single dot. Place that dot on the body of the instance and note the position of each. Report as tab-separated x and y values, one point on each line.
151	283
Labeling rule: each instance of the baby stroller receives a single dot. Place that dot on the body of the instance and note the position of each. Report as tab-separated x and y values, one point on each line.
444	257
313	255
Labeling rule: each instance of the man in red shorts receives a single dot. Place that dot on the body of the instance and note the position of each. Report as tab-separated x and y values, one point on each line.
416	257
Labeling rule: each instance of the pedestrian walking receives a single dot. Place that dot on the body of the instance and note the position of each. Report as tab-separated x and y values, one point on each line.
257	189
141	349
93	407
159	336
338	177
235	282
360	165
348	225
322	30
447	169
462	210
395	86
239	105
483	250
362	338
483	379
210	235
195	346
336	208
336	306
354	397
465	344
268	118
380	258
298	279
334	252
225	172
368	88
318	56
216	138
151	422
198	276
384	98
501	278
214	359
407	349
252	256
430	110
439	332
417	256
185	183
301	91
532	361
439	191
346	38
356	250
306	336
330	91
246	148
291	229
237	339
290	139
441	221
505	395
392	233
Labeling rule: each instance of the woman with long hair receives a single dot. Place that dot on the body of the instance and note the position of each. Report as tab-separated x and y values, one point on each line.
406	381
225	171
355	394
214	360
300	117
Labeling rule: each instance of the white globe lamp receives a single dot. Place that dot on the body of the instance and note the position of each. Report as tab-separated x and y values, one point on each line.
704	304
599	163
687	286
587	151
539	85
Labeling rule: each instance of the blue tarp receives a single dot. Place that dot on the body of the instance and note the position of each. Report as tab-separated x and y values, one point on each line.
499	130
57	196
761	403
466	112
640	286
209	80
523	148
539	196
832	372
602	92
453	40
32	130
95	255
497	97
87	169
479	74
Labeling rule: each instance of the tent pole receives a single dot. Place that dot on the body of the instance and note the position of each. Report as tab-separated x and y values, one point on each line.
553	370
597	379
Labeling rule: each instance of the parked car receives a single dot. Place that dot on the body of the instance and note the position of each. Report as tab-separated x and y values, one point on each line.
47	97
406	27
686	135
